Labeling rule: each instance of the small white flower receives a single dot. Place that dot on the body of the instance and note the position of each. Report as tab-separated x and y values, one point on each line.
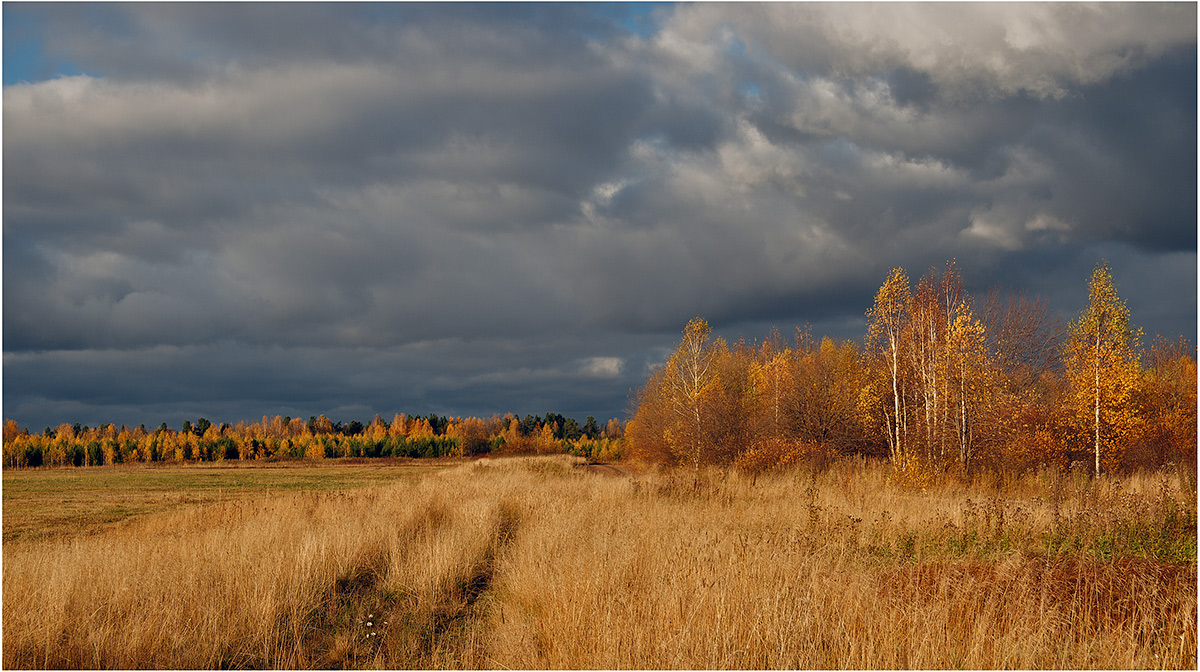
368	624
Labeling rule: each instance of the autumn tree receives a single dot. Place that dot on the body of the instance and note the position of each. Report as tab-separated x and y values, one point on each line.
1024	335
378	429
545	440
1102	367
681	406
15	449
1024	425
885	341
771	385
828	377
1166	400
11	429
613	429
691	383
472	434
419	428
320	425
970	377
926	328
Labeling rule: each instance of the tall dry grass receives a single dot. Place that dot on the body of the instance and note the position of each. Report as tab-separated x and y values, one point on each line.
842	570
366	578
534	563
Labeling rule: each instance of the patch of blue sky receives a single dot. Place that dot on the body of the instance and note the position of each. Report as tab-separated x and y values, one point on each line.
24	54
640	18
750	90
23	60
735	46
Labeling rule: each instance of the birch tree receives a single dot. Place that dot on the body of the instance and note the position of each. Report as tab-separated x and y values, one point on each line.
970	374
1102	370
885	336
691	381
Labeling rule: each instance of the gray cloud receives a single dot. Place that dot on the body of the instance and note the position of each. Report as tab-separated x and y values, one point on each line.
315	208
968	50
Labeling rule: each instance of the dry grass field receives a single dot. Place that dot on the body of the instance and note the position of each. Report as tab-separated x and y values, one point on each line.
540	563
46	503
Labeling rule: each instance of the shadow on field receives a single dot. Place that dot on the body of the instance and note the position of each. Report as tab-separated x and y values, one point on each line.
606	469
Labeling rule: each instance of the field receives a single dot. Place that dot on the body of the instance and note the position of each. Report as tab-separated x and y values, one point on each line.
542	563
56	502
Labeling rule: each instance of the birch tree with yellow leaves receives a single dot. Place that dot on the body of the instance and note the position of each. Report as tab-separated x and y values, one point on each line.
970	377
772	381
885	338
1102	365
691	382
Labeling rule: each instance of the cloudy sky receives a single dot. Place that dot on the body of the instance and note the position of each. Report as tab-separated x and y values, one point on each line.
230	210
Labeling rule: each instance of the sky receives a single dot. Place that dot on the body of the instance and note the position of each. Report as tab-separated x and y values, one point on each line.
235	210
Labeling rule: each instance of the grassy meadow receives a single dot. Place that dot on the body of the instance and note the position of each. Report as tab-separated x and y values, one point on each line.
47	503
541	563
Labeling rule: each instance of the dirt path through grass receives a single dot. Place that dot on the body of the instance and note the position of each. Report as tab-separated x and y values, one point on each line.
607	469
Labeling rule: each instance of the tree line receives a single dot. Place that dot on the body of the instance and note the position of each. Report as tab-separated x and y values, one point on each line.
941	381
318	438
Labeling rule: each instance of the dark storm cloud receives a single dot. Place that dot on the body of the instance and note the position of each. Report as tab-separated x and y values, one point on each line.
223	380
259	208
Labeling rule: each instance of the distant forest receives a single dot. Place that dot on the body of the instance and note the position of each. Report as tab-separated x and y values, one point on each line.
318	438
941	382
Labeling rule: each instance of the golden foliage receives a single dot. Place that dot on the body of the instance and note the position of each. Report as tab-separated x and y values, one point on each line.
937	386
910	473
778	453
1103	369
